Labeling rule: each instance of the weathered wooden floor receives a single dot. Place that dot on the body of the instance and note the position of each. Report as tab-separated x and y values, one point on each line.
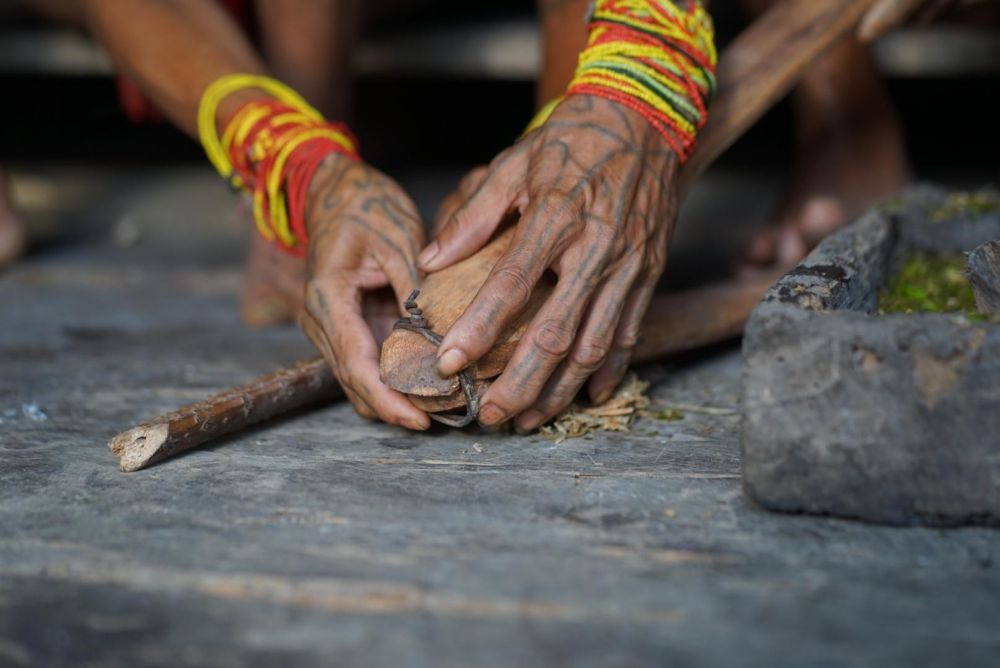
326	540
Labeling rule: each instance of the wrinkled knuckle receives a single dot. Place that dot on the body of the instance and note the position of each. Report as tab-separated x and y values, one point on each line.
508	158
347	379
629	336
589	355
604	237
591	194
476	335
561	219
498	161
507	401
363	410
513	282
632	271
605	246
553	204
314	296
655	260
554	337
473	179
459	221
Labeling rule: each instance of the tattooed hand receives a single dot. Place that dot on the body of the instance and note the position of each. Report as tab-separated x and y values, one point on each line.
364	234
595	190
449	205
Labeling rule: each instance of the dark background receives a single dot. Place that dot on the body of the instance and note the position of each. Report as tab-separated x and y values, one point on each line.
407	121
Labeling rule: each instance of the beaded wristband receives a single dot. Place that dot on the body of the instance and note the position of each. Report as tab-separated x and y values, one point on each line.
270	149
653	56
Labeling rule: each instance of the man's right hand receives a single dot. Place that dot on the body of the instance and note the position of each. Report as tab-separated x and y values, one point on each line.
364	237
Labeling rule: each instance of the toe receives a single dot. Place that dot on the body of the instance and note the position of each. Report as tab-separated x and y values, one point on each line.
821	216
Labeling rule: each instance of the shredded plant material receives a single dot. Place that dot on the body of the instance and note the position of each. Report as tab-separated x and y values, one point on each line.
616	414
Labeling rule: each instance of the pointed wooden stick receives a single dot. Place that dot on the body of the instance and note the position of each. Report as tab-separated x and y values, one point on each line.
285	390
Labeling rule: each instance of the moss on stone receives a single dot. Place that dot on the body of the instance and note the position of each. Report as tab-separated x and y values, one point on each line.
929	283
966	204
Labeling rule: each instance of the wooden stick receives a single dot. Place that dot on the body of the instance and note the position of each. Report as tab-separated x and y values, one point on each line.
681	321
286	390
757	69
763	64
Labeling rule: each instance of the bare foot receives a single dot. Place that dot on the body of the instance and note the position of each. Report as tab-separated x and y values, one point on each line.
13	236
272	285
850	155
837	183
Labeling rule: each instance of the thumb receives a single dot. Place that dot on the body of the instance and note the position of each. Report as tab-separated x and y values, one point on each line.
402	275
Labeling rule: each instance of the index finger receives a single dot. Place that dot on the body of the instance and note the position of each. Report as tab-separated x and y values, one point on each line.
504	294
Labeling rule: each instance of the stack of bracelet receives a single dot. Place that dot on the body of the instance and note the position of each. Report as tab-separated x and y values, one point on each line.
271	148
656	57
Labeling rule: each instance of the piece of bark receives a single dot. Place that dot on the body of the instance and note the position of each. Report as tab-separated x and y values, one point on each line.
285	390
408	359
982	266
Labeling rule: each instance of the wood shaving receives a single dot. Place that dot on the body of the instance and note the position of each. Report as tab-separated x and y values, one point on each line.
615	414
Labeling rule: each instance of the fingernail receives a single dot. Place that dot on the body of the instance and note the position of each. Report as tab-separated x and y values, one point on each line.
529	421
490	414
415	425
428	254
451	362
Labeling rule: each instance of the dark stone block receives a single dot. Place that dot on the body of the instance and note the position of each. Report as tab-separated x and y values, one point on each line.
889	418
